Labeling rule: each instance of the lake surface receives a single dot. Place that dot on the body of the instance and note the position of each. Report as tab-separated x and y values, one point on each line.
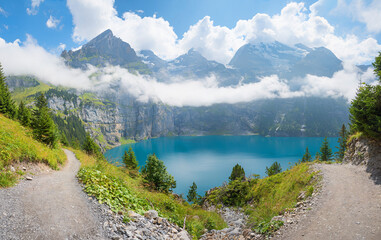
208	160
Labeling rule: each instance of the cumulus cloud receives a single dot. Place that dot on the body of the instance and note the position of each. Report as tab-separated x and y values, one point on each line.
294	24
28	58
367	13
52	22
33	10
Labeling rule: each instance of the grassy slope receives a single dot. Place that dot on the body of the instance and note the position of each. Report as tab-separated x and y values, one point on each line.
166	204
23	94
268	197
17	144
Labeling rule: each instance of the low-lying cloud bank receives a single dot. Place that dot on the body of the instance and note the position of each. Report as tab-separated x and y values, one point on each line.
29	58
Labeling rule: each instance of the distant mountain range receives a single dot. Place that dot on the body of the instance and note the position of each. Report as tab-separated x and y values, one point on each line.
114	115
249	63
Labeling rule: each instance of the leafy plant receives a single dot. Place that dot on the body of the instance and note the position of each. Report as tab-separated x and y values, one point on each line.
268	228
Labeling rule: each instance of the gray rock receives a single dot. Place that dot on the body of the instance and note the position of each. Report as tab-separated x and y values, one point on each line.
151	214
28	178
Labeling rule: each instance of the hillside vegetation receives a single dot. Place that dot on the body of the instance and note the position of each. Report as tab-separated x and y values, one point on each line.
123	190
262	199
18	145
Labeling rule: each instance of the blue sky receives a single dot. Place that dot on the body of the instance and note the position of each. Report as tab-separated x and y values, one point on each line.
33	33
19	18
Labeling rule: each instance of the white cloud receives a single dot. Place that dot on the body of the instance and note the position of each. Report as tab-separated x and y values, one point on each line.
3	12
294	24
93	17
52	22
34	7
61	47
343	83
367	13
29	58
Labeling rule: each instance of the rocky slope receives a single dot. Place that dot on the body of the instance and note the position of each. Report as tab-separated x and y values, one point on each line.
365	151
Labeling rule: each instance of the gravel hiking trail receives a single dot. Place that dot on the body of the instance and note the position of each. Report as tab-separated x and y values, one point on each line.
349	207
51	206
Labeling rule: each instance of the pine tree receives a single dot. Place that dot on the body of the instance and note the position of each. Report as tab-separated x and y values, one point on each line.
343	136
23	115
275	168
133	163
129	159
325	151
192	194
307	156
126	158
237	173
43	125
90	146
155	173
7	105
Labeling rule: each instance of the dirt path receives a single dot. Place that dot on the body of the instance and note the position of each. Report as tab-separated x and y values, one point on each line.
52	206
349	207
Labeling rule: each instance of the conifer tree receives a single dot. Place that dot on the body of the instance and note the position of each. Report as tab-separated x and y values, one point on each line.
155	173
43	125
126	158
237	173
90	146
307	156
23	115
7	105
192	194
343	136
129	159
325	151
275	168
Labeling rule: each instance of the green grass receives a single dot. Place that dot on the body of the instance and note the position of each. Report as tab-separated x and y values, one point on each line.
124	141
274	194
23	94
356	135
262	199
18	145
129	192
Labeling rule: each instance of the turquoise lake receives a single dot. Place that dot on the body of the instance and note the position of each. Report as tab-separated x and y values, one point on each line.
208	160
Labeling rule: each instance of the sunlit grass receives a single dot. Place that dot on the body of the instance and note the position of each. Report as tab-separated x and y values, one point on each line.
17	145
167	205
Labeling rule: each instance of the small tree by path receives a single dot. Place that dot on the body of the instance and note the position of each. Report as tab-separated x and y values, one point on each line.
342	143
44	129
325	151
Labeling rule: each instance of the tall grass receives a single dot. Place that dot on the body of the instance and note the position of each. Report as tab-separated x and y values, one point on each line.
17	145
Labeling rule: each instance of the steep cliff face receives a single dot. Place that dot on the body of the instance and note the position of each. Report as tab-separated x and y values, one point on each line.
365	151
110	121
113	115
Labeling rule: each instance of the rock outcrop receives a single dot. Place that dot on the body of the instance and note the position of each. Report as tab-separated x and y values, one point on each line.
365	151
